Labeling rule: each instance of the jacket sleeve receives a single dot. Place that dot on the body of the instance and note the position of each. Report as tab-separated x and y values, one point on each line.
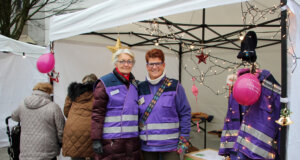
184	111
67	106
59	120
16	114
99	111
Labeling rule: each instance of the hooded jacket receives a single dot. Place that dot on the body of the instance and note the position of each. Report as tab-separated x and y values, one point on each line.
42	124
78	111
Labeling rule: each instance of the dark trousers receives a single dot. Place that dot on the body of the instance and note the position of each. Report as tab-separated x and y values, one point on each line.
160	155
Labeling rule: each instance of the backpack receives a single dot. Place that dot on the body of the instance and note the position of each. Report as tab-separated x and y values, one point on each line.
14	140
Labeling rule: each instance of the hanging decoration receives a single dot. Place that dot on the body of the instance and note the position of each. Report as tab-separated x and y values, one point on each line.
46	62
194	89
247	89
231	78
284	119
53	76
118	46
202	57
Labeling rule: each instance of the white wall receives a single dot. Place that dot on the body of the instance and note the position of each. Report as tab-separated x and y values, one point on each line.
17	78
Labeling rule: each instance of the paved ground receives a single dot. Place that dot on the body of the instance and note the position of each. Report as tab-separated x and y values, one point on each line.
3	154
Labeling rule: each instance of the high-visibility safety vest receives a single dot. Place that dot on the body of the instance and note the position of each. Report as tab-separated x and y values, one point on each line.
121	118
257	134
162	125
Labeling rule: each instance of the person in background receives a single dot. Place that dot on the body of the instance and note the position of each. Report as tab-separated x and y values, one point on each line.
42	124
77	142
164	112
115	111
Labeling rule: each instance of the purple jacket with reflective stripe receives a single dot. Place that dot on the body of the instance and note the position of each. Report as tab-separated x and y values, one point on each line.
121	119
169	119
256	135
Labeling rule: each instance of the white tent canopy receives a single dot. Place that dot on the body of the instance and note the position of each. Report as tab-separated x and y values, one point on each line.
18	47
116	13
18	75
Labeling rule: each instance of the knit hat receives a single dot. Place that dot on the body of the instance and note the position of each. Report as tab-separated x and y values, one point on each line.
89	78
248	45
44	86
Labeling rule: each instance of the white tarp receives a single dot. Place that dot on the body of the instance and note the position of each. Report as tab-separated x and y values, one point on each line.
114	13
18	47
293	141
17	77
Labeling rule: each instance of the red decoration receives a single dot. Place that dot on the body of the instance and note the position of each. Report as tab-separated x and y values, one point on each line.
202	57
53	76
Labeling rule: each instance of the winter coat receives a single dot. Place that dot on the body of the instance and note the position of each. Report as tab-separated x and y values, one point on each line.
42	124
169	119
78	110
115	148
255	134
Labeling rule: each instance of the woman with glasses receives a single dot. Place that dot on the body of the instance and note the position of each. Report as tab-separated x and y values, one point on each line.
164	111
115	111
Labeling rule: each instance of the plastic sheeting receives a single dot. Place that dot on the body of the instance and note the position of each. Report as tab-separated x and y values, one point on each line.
18	47
17	77
114	13
293	141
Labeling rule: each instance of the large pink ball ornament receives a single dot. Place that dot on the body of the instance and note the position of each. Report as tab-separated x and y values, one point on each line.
45	63
247	89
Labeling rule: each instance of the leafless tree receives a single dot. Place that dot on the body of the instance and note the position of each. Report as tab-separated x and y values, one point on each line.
14	14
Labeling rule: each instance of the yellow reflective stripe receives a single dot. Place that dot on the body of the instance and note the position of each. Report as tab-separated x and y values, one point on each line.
159	137
226	144
119	129
123	118
255	149
257	134
226	133
160	126
271	86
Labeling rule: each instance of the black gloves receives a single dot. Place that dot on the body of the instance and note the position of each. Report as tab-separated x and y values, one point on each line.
97	146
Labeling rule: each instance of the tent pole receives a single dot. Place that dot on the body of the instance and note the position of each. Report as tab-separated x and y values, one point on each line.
283	132
180	60
203	25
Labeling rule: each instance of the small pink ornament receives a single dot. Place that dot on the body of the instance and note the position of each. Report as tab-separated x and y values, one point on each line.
45	63
247	89
194	89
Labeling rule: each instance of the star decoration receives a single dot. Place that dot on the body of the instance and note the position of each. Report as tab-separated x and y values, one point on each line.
202	57
118	46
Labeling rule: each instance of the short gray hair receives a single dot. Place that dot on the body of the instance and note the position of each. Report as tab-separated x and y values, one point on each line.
120	51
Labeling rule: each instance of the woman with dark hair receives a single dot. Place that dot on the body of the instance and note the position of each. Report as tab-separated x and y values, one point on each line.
77	142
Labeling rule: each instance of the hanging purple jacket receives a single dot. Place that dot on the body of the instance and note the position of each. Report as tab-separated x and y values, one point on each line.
169	119
256	135
121	119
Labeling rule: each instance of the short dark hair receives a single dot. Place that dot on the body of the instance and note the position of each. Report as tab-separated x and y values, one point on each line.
155	53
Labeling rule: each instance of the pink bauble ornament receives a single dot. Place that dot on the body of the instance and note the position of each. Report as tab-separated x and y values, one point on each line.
247	89
45	63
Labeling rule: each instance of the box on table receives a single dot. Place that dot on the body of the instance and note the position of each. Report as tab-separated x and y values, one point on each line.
204	154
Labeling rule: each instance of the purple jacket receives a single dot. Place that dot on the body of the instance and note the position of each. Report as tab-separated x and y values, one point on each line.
121	118
169	119
256	135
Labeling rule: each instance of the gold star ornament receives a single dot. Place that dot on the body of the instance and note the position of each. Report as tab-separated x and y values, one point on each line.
118	46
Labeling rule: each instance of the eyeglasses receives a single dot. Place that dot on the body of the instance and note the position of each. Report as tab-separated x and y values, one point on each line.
157	64
128	62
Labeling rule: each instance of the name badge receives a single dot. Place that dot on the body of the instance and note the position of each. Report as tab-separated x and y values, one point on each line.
114	92
141	101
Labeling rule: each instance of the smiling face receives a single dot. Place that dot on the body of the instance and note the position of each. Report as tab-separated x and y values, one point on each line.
155	67
125	63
